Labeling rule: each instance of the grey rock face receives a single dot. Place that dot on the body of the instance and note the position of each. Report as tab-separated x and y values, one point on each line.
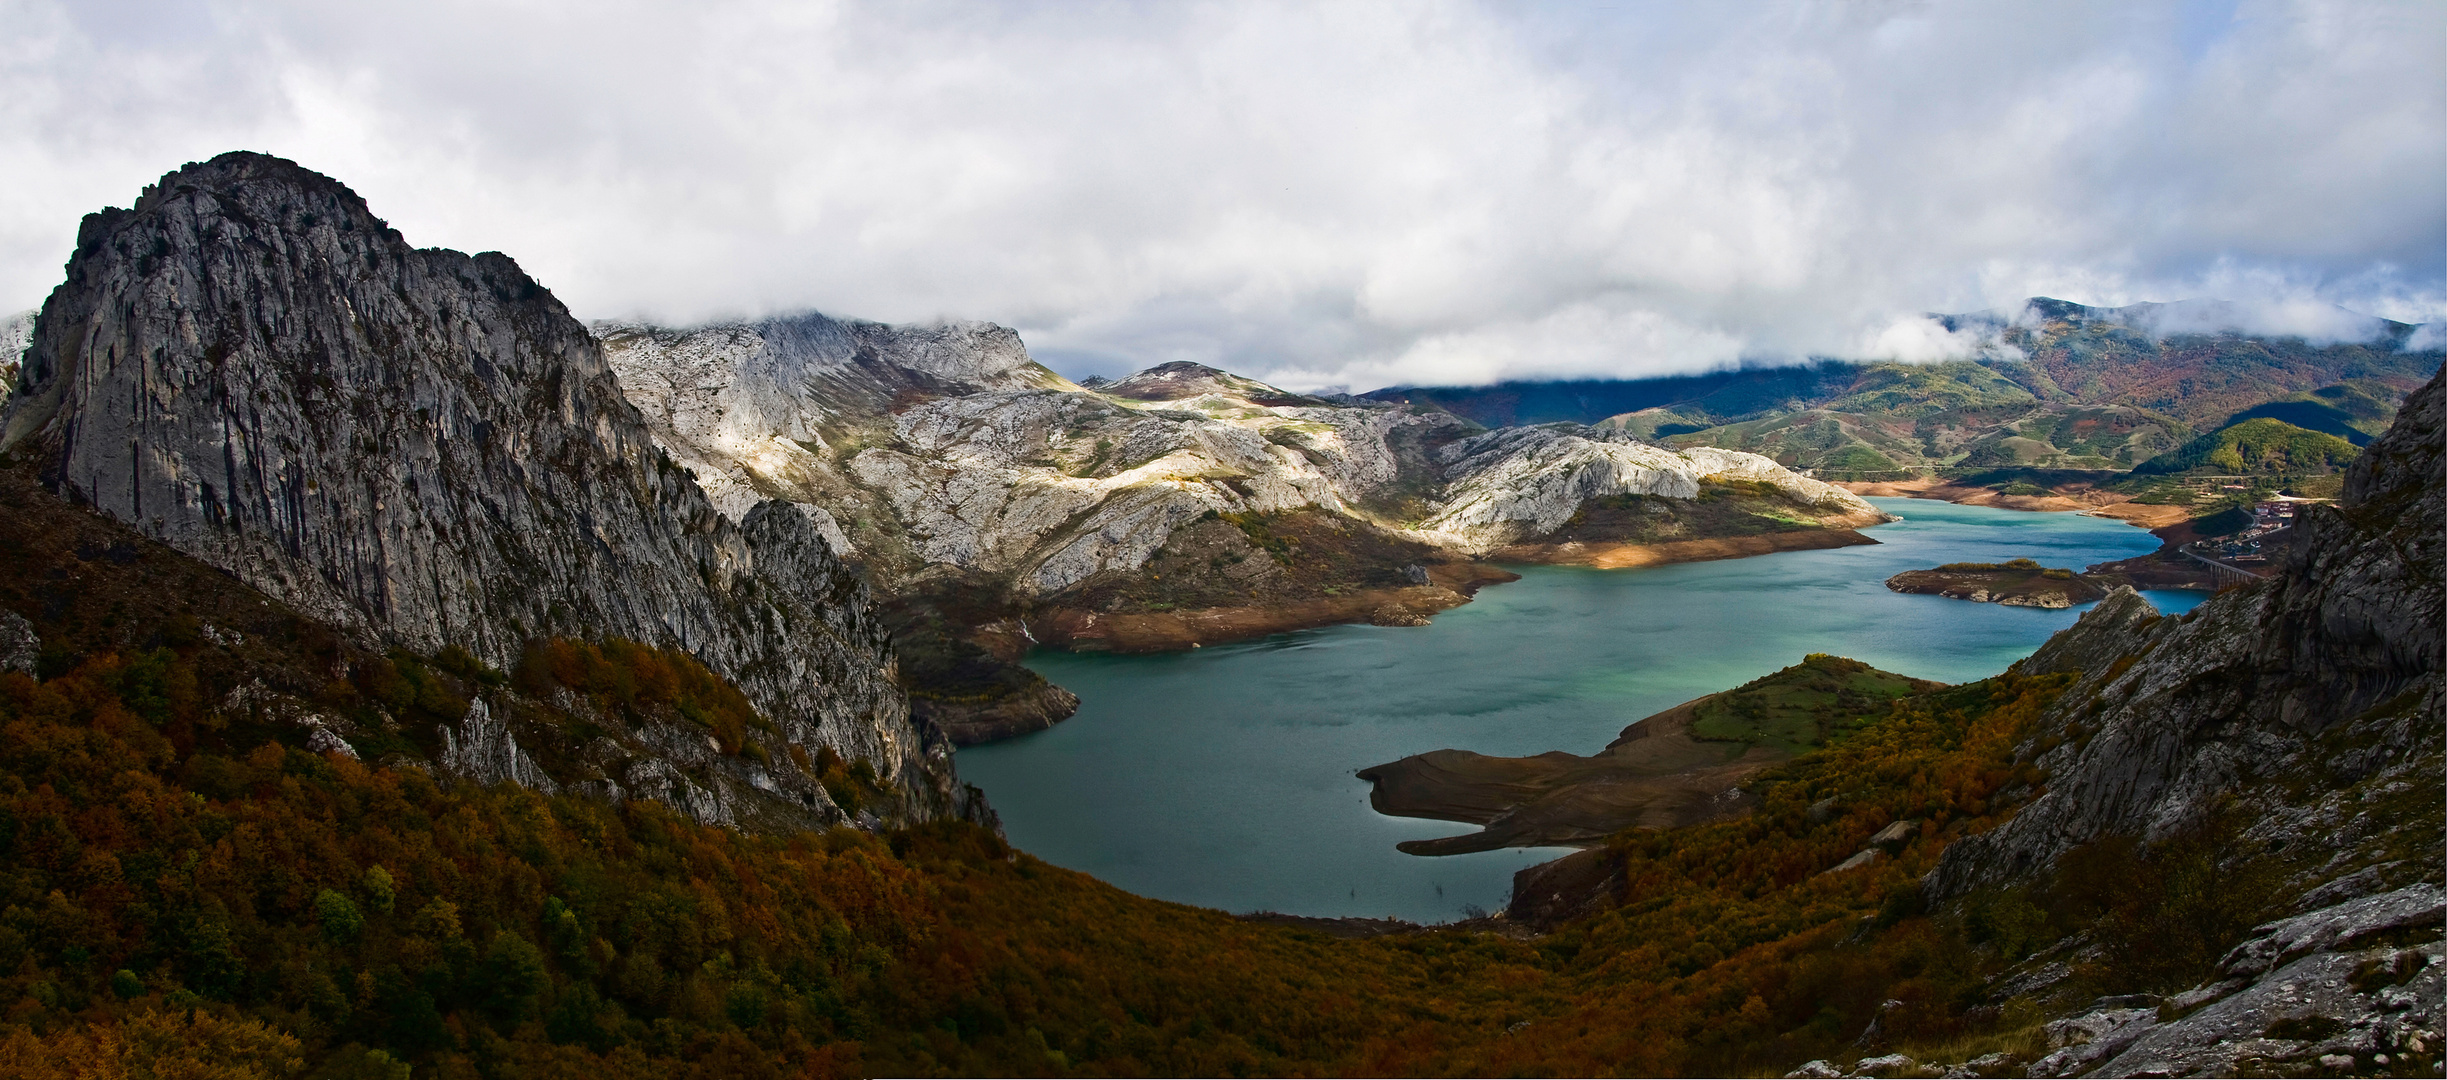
976	456
2325	985
1516	483
425	448
2255	687
747	406
19	648
2310	705
16	332
482	749
983	460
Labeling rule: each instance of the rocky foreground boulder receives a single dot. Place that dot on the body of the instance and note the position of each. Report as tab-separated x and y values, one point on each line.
424	448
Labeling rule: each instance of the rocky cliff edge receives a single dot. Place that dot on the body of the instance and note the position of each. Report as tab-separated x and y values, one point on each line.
425	448
2306	711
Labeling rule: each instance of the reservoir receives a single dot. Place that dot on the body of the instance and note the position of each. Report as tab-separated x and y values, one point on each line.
1222	776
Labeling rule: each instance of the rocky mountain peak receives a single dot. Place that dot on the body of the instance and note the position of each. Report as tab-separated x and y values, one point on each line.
424	448
1181	380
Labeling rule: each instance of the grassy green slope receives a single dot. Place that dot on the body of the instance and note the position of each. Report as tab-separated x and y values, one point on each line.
2262	446
2356	411
1801	707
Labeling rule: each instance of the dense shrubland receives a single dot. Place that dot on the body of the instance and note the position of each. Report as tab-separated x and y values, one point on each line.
183	881
167	895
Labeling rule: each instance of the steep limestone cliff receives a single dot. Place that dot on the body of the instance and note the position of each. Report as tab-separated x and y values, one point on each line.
424	448
2329	670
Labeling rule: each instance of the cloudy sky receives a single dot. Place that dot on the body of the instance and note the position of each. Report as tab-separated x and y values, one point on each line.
1325	194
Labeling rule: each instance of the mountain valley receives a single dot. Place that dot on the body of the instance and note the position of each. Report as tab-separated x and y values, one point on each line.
998	506
400	677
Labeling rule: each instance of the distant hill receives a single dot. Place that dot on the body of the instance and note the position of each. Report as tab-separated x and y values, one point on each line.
2064	386
2259	445
2354	411
1587	401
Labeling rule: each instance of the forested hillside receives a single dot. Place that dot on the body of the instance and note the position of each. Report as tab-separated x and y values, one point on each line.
184	883
2058	386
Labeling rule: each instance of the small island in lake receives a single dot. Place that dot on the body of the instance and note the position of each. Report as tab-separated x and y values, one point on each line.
2019	583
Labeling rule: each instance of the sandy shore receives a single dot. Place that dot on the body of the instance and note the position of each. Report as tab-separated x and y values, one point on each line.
2145	516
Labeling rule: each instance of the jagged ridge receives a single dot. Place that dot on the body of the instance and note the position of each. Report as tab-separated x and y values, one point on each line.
425	448
2306	708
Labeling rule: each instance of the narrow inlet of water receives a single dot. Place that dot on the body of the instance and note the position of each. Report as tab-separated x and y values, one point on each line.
1223	776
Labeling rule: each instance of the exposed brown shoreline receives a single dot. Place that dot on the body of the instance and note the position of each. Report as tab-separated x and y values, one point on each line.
2086	500
967	723
1930	487
1679	767
1450	585
1624	556
2160	570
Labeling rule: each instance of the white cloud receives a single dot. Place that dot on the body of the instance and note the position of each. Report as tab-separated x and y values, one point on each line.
2305	318
1923	340
1351	194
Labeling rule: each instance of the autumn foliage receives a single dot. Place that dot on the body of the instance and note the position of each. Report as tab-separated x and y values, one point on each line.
629	678
377	917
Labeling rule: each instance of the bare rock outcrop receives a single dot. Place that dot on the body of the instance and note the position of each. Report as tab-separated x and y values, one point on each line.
424	448
2307	710
1512	484
16	332
2329	671
980	489
20	649
946	446
2332	991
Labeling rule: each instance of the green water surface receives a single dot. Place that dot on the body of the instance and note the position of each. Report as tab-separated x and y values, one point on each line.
1222	776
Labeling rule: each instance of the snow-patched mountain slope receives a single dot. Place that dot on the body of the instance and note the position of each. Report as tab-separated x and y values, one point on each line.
747	406
1518	483
947	446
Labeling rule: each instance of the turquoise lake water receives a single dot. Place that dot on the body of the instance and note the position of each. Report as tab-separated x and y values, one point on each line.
1222	776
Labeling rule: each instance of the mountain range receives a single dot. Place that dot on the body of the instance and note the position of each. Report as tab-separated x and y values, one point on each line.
998	506
2057	385
396	678
424	451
